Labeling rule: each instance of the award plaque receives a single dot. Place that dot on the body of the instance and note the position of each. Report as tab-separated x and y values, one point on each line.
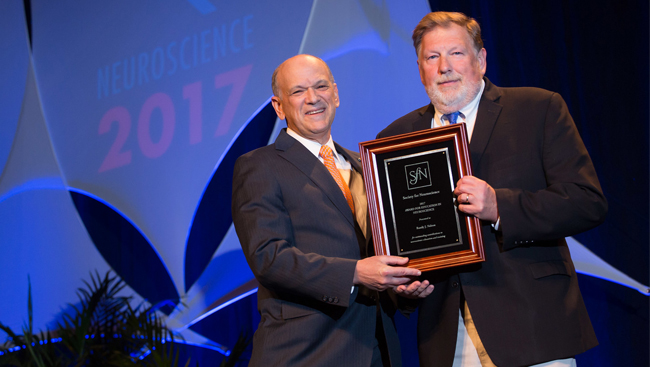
410	179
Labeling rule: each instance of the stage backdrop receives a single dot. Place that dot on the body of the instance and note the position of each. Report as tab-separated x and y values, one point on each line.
120	123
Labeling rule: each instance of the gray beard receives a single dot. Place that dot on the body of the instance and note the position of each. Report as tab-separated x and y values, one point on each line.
452	102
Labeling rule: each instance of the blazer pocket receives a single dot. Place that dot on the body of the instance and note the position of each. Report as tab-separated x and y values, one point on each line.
545	269
294	310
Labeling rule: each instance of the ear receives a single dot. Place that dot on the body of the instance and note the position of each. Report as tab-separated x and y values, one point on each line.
277	106
482	60
336	96
421	72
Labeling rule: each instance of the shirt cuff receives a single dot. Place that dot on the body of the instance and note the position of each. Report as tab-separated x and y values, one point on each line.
497	224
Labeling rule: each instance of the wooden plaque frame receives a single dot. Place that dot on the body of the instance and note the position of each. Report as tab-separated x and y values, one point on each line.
377	155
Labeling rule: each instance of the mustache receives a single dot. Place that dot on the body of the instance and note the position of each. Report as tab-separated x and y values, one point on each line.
448	78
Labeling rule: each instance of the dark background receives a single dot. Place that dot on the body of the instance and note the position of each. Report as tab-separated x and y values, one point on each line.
595	54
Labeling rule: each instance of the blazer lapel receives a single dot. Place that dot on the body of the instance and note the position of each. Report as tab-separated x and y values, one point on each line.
355	162
486	118
353	158
426	115
294	152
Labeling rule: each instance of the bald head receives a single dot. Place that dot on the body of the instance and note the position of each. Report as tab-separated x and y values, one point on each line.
293	60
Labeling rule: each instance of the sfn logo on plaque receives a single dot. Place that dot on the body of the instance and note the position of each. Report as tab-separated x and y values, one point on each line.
418	175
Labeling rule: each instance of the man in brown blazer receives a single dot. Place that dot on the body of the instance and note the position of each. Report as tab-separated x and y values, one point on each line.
300	212
533	185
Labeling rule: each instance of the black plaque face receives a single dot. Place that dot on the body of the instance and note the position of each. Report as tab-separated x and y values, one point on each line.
410	180
418	204
422	210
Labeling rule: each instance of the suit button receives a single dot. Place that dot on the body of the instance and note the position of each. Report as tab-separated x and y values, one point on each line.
454	284
336	300
330	300
324	298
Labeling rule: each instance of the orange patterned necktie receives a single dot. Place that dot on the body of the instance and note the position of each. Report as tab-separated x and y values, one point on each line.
328	160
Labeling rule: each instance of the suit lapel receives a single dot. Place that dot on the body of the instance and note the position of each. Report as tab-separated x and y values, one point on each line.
486	118
294	152
352	157
355	161
426	115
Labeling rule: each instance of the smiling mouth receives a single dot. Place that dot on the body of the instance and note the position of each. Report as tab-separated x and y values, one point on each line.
315	111
447	82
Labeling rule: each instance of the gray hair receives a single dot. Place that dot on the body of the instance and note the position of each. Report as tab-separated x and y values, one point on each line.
444	19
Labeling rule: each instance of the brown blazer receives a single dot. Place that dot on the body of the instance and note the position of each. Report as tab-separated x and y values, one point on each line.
524	298
302	243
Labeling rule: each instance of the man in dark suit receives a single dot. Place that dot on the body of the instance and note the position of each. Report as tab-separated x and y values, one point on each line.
534	184
300	212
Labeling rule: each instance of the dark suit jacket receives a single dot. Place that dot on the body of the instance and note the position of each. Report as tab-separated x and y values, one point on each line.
302	243
524	298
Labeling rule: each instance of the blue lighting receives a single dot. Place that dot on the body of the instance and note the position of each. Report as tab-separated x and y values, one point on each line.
114	208
225	304
204	6
142	353
223	155
44	183
646	293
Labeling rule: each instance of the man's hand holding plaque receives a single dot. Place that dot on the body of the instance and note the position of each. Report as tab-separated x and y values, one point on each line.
483	203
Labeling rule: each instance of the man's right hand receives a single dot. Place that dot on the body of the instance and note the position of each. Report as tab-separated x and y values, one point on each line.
382	272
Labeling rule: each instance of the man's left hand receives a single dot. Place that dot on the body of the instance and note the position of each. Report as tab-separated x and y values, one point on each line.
475	197
416	289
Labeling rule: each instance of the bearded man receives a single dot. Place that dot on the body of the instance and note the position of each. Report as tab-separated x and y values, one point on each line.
534	185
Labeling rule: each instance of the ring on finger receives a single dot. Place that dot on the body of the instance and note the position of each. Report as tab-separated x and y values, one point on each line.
466	198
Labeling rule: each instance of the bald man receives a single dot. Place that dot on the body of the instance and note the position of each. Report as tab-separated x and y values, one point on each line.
300	212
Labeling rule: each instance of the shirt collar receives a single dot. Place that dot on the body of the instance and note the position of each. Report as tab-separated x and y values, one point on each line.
314	146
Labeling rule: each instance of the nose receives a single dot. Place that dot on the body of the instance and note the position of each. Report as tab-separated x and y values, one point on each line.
311	96
444	66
